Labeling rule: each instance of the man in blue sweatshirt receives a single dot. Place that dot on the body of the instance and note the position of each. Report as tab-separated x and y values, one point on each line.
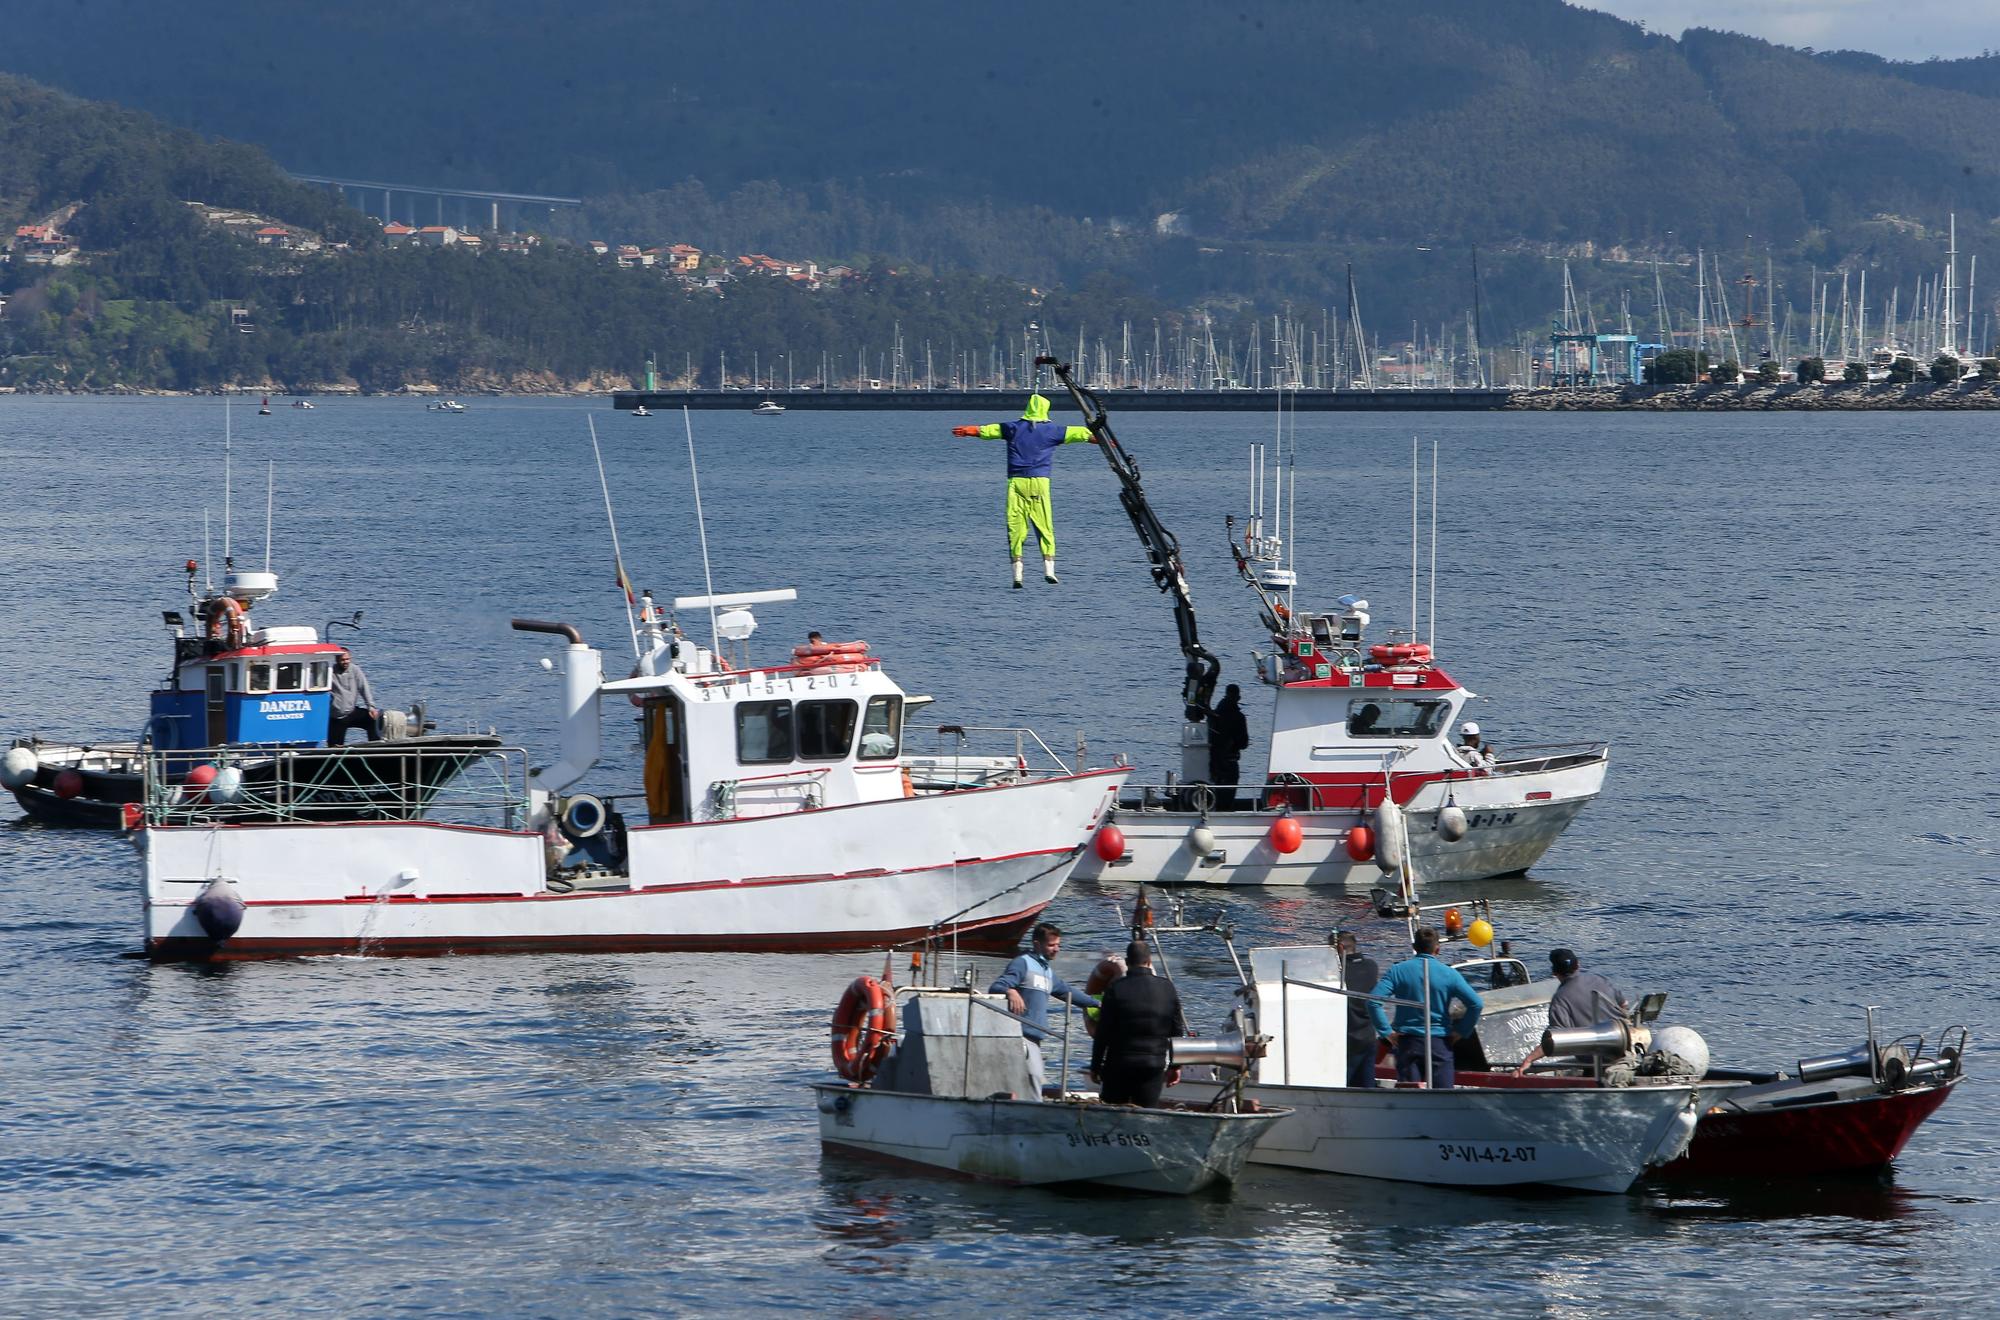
1413	1037
1029	982
1031	446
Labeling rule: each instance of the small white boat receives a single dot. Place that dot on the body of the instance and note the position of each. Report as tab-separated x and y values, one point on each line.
302	403
446	405
641	411
769	408
956	1095
1569	1133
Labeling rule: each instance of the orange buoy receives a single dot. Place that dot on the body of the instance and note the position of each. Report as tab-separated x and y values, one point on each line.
1361	843
1454	924
198	780
1287	834
1109	844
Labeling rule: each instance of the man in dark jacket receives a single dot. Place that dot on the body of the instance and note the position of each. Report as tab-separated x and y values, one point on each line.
1358	972
1137	1016
1228	735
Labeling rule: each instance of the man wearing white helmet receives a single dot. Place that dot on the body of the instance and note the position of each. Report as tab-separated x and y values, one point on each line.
1476	754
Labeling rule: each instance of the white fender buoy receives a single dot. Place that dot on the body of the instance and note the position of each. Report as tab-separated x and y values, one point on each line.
19	767
219	910
1686	1051
1392	838
1201	841
227	786
1452	824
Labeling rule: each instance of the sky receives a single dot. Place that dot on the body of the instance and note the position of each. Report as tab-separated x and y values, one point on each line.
1901	29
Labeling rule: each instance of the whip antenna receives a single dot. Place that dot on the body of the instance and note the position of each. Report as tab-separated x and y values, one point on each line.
270	480
1434	547
701	525
617	555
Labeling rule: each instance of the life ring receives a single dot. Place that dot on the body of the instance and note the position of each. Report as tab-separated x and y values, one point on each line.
225	621
820	653
1400	653
864	1027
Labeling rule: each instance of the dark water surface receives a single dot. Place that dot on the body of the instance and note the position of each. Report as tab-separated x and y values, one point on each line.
1787	626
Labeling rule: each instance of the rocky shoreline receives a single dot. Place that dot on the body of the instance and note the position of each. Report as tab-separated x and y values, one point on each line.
1972	393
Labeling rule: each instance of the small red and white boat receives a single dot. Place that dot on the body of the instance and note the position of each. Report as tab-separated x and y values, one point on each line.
774	814
1363	776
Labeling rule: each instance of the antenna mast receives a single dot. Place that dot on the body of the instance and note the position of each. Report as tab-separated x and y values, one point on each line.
225	487
701	525
270	479
617	555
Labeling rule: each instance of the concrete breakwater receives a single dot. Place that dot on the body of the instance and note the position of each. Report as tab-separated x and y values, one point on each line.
1972	393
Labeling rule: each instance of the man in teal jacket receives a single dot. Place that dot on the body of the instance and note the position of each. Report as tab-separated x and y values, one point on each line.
1031	447
1413	1036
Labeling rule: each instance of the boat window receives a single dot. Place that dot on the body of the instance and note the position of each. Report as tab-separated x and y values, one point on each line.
260	679
291	676
764	732
1376	717
826	729
882	729
322	676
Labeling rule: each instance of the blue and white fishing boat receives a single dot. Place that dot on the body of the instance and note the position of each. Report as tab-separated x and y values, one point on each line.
247	707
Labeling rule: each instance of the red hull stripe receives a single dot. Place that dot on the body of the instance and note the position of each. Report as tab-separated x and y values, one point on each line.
995	935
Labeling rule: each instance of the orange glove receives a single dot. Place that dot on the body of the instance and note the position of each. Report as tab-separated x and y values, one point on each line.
971	431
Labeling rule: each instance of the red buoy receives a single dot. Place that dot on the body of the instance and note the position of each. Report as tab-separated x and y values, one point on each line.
1110	843
1287	834
198	781
68	784
1361	843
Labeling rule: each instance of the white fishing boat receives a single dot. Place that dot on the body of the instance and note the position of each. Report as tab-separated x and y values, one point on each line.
641	411
955	1095
769	408
773	815
446	406
1362	775
1570	1133
303	403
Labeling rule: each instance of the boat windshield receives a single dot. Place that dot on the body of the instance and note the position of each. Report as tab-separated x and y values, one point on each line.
1377	717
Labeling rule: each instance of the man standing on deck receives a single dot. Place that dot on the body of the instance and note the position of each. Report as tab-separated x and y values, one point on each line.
1031	448
1228	735
1029	982
1426	1031
1135	1028
352	704
1358	972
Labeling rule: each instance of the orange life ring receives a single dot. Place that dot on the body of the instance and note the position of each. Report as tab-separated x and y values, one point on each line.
225	622
864	1027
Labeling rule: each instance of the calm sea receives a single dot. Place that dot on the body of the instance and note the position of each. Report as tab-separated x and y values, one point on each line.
1785	625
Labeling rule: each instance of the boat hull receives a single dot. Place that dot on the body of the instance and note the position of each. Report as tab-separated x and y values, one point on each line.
980	864
1028	1142
1512	821
1857	1135
1580	1138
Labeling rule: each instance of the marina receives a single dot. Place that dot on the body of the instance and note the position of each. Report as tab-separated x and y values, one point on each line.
446	1106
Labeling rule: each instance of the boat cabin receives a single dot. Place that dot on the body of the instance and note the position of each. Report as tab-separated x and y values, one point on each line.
1349	719
234	683
819	729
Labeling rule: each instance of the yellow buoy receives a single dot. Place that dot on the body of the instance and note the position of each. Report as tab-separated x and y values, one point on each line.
1480	933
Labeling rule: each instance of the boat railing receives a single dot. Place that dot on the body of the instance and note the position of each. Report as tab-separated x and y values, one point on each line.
1540	757
974	998
377	781
961	757
786	790
1286	983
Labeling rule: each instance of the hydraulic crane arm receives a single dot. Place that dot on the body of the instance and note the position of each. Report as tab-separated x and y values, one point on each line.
1163	550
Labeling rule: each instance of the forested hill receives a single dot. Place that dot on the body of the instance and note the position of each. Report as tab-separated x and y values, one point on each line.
1287	120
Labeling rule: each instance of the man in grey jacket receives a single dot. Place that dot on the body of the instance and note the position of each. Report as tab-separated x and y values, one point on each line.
353	705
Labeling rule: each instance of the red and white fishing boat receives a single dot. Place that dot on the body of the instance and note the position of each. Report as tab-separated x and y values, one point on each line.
774	814
1363	775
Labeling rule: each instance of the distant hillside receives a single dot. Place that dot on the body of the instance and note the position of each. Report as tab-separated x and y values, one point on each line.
1290	121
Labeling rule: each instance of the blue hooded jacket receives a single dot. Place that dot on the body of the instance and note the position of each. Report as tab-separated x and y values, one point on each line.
1032	442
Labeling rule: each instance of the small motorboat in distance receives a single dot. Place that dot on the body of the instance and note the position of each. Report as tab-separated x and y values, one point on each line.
954	1093
445	405
302	403
769	408
641	411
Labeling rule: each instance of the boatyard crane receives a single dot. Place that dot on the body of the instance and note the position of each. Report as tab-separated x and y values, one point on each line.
1162	548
